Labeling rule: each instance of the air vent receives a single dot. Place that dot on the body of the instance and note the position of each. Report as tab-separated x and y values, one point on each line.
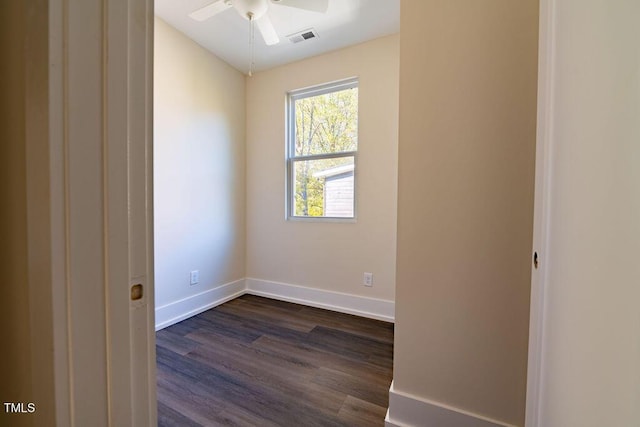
301	36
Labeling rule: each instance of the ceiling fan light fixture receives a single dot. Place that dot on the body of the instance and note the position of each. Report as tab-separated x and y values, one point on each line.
255	11
251	9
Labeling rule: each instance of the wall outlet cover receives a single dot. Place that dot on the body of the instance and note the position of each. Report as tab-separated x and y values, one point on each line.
368	279
194	277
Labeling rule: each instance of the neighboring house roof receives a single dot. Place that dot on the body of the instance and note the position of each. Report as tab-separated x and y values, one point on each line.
338	170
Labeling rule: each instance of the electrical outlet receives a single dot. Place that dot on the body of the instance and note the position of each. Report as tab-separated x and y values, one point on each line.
194	277
368	279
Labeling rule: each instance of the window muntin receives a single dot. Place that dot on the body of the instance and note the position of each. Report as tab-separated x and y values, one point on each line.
322	150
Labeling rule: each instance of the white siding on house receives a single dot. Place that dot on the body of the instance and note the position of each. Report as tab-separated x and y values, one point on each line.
338	196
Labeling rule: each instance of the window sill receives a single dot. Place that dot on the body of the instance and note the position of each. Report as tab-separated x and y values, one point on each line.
321	219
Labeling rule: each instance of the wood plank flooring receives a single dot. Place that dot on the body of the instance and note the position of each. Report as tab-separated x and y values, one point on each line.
259	362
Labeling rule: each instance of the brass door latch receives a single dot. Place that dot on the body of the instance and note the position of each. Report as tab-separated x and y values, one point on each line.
136	292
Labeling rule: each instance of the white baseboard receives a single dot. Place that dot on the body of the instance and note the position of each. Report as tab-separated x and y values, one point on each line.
182	309
336	301
406	410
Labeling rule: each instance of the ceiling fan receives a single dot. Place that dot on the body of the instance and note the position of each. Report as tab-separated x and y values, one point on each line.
256	11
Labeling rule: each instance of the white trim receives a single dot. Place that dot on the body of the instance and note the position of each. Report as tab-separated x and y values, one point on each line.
290	154
408	410
324	88
58	187
41	213
546	66
102	345
372	308
180	310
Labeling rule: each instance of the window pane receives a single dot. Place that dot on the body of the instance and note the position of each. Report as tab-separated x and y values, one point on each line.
324	188
327	123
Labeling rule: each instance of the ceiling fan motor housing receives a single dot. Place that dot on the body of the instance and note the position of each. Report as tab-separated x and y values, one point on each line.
251	9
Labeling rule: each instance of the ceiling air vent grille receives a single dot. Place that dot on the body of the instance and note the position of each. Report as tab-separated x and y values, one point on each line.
301	36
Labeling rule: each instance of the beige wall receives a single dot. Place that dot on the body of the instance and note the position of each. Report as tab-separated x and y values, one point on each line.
15	385
323	255
25	307
199	173
465	203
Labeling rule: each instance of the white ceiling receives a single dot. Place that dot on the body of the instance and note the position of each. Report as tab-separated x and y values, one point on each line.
346	22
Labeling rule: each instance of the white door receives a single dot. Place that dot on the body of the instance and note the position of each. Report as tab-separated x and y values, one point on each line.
584	364
100	89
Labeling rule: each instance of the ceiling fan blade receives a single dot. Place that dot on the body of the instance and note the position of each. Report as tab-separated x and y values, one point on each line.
267	30
207	12
313	5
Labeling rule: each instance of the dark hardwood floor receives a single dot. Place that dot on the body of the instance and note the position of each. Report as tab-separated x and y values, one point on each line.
259	362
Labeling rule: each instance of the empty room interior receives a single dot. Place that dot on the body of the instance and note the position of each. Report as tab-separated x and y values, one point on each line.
320	212
273	189
249	133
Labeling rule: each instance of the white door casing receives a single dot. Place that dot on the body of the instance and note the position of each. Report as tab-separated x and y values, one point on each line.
584	343
541	204
100	180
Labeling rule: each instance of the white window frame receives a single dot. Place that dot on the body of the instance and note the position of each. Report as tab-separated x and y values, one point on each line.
290	151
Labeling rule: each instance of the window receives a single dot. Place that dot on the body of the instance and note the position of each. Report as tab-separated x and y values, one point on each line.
322	148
